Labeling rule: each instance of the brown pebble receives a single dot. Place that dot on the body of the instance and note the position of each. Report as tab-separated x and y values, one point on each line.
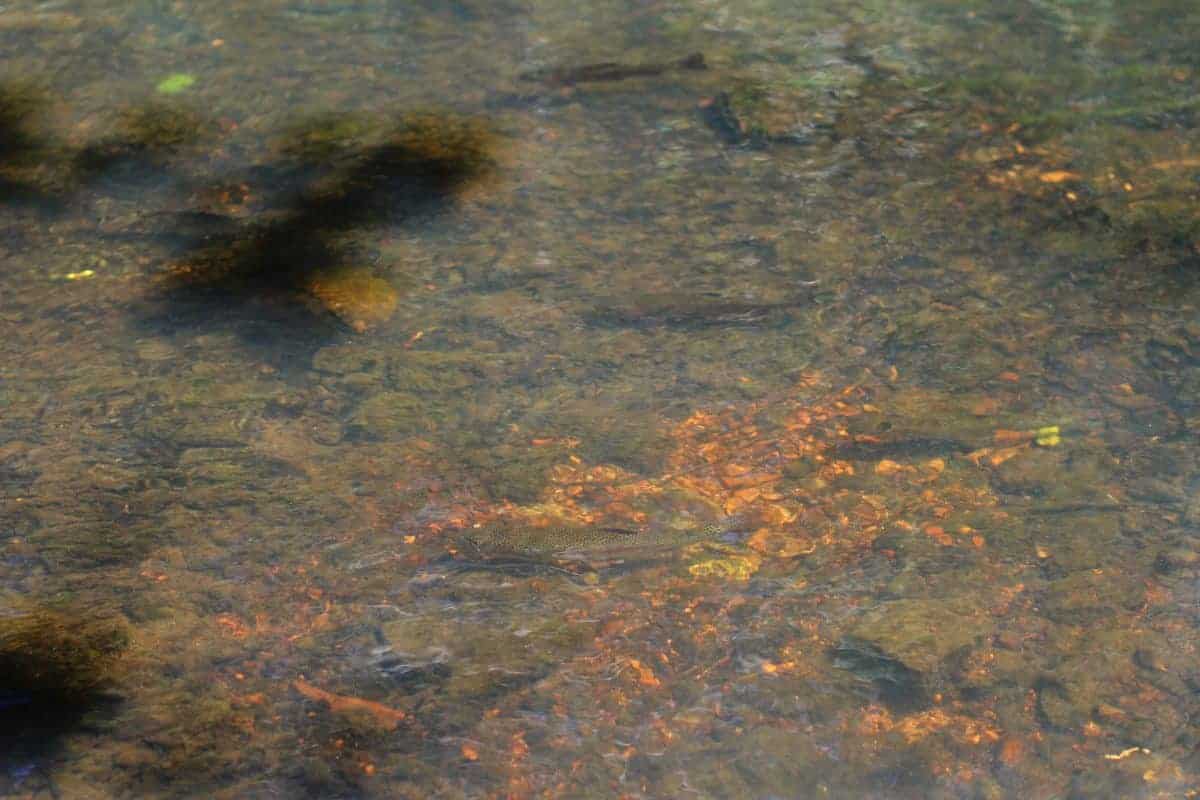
1009	640
1012	751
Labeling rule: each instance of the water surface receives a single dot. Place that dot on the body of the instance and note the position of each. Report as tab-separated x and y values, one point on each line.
899	299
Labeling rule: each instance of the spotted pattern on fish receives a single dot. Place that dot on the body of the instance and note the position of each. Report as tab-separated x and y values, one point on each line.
575	541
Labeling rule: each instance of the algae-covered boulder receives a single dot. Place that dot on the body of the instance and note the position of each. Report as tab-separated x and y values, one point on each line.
357	297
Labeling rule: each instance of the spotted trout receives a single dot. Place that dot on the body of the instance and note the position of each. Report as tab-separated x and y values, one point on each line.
576	543
607	71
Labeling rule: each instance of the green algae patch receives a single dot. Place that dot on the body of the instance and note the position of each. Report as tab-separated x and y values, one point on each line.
175	83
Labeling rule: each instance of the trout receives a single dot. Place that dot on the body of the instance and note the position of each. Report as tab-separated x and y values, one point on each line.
607	71
574	543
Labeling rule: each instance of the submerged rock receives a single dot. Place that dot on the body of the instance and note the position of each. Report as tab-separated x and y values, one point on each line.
357	297
756	114
899	686
922	634
902	646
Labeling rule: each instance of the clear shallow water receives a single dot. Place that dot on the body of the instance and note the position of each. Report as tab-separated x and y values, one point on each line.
900	299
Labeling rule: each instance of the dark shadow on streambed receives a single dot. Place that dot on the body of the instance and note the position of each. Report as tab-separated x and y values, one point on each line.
293	276
138	149
22	149
57	670
39	172
298	264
